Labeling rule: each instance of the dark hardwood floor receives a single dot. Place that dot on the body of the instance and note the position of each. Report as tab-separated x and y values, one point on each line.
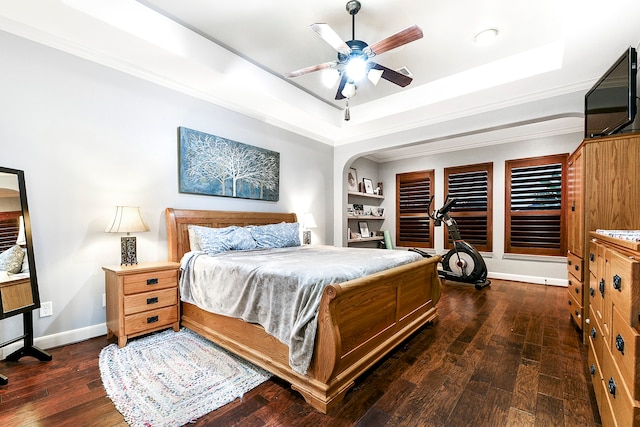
507	355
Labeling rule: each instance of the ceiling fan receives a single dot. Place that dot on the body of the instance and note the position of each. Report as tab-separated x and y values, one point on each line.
354	56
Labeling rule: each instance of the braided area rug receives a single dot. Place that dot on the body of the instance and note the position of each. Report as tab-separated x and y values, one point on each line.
171	378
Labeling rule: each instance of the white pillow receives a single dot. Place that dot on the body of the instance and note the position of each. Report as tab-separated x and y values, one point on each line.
11	260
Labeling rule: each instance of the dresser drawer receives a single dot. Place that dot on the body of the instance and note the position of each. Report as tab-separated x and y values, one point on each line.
625	348
622	277
622	406
575	288
150	281
597	338
150	320
137	303
596	297
574	266
593	257
596	374
575	309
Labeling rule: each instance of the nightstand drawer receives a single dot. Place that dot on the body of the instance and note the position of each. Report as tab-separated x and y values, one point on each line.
150	281
575	308
149	320
150	300
575	288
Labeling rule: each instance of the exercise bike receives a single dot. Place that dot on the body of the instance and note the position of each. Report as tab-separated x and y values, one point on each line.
462	263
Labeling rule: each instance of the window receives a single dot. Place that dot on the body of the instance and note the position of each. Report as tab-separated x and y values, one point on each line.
472	186
535	205
413	225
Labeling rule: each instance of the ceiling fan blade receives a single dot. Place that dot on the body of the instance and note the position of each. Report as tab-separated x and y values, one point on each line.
392	75
343	82
311	69
398	39
328	35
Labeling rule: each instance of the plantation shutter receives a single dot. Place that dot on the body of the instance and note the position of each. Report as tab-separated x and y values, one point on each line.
9	228
534	205
413	225
472	187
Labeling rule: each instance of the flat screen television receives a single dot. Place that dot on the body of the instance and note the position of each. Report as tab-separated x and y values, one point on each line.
610	105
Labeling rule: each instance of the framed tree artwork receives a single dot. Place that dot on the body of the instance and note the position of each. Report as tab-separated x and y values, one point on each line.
216	166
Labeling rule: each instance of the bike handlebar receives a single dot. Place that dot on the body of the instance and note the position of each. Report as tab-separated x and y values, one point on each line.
447	206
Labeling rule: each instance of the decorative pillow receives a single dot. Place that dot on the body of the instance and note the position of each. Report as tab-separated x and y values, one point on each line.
216	240
280	235
25	262
194	242
11	260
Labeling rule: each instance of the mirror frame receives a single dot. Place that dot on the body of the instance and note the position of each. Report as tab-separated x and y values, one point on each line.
29	245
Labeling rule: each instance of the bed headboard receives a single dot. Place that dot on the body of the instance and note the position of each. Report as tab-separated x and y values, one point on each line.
179	219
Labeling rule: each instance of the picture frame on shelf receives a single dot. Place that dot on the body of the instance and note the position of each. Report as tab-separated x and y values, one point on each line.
368	185
364	229
352	180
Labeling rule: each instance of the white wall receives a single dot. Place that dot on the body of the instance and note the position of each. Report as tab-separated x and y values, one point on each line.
525	268
90	138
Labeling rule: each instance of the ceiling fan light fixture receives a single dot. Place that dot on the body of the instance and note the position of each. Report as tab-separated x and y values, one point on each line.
374	75
349	90
330	76
356	68
486	37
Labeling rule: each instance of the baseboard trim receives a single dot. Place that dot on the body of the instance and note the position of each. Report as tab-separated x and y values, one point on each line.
530	279
60	339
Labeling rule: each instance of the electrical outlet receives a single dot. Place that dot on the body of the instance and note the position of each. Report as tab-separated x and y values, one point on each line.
104	300
46	309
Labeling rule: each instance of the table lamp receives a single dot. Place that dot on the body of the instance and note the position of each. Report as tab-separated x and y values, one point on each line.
127	219
308	223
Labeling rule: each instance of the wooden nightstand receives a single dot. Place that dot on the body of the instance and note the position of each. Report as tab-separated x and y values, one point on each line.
141	298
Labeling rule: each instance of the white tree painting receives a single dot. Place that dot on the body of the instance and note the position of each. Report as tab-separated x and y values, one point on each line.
217	166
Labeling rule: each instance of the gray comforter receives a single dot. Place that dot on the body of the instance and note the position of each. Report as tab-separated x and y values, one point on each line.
279	289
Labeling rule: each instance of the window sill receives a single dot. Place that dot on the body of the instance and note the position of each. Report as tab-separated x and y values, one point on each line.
537	258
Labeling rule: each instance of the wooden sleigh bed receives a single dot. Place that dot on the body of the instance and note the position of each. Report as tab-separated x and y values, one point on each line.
359	321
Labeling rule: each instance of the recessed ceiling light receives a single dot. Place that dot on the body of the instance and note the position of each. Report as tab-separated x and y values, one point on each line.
486	37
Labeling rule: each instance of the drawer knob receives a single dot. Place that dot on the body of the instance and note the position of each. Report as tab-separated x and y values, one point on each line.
592	257
577	267
601	287
620	344
153	281
592	369
577	314
612	387
152	319
577	290
153	300
593	333
592	291
569	302
568	262
617	282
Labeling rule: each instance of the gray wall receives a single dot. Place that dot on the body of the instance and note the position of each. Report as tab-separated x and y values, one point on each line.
90	138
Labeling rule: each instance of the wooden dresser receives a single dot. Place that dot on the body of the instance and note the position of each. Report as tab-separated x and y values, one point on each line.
614	328
141	298
603	191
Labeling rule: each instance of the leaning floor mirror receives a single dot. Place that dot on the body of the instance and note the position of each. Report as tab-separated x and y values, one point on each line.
18	280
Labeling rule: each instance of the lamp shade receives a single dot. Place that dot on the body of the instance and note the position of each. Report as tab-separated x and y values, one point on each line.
309	221
127	219
21	240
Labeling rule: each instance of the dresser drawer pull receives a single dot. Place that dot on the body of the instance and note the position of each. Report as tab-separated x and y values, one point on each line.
153	300
569	302
612	387
152	319
592	257
568	262
577	267
593	333
592	291
577	314
153	281
620	344
601	286
577	290
617	282
592	369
